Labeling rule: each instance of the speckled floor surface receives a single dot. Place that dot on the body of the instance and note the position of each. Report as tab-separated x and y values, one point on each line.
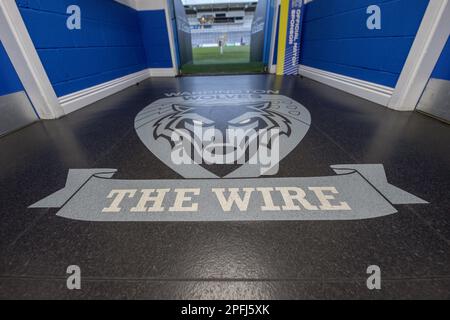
227	260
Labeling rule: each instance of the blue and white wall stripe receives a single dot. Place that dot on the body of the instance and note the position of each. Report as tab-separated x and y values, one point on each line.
382	63
117	44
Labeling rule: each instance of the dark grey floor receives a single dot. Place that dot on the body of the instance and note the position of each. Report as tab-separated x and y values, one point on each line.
230	260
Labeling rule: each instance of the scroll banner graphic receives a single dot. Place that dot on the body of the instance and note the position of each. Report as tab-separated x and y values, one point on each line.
356	192
291	18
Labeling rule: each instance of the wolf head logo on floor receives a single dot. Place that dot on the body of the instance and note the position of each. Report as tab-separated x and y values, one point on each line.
206	136
223	135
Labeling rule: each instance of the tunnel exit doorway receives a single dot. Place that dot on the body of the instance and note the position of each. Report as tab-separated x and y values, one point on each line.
223	36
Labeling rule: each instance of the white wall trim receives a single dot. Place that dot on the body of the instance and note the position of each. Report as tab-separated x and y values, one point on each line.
82	98
150	4
23	55
20	48
273	69
163	72
143	5
129	3
364	89
423	56
85	97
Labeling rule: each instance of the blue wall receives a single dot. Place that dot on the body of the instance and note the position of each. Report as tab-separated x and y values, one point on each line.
108	46
442	69
155	38
9	81
336	39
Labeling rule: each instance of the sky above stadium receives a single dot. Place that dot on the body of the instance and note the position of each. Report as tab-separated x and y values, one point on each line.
195	2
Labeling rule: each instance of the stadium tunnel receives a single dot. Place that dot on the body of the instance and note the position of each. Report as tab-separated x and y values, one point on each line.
95	110
225	36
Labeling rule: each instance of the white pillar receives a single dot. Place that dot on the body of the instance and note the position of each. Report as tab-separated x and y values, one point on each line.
423	56
24	57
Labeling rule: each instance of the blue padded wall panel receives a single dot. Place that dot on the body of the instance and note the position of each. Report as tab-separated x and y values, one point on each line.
442	69
73	85
336	39
155	38
326	8
9	81
399	18
108	46
375	76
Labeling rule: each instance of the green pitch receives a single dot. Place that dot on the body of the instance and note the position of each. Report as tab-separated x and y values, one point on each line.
233	60
213	56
